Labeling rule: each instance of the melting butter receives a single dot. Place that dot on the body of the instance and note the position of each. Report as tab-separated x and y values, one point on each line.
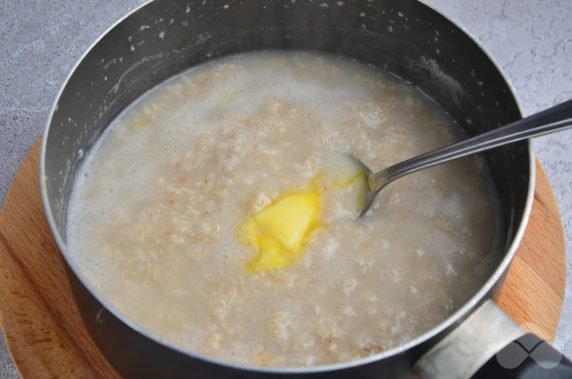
280	231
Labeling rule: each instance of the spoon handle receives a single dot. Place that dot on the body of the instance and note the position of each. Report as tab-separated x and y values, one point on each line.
548	121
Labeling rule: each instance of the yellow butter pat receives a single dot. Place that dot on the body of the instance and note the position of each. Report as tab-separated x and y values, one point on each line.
280	231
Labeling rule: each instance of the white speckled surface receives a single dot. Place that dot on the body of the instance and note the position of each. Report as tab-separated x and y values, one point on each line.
530	40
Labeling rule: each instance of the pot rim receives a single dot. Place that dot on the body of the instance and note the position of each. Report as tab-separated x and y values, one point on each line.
456	317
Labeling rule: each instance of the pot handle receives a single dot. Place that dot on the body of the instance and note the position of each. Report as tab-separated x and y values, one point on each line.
488	344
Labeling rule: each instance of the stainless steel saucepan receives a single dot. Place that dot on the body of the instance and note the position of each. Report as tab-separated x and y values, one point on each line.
405	37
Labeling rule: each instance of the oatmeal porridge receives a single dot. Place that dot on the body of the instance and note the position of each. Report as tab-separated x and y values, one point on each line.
218	212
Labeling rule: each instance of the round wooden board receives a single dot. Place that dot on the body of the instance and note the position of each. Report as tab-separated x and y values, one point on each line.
47	338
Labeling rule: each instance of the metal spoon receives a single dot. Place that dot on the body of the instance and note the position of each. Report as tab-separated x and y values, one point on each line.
551	120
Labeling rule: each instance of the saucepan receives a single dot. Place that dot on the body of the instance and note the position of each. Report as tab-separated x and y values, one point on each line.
405	37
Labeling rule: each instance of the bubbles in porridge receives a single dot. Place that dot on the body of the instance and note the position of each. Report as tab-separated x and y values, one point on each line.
154	224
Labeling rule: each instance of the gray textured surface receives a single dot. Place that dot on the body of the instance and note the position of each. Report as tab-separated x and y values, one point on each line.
530	40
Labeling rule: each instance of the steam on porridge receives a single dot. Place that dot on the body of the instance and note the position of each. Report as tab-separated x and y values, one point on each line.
219	213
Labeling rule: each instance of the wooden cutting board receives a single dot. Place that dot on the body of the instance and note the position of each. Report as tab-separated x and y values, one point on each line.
47	338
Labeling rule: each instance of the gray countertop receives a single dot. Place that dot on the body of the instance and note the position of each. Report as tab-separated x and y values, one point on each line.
530	40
